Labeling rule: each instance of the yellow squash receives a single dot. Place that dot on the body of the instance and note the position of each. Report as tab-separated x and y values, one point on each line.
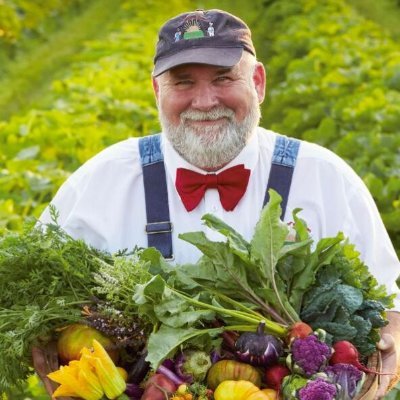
239	390
231	370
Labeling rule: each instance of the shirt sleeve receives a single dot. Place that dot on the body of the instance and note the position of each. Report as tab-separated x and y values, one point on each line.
365	227
333	199
63	202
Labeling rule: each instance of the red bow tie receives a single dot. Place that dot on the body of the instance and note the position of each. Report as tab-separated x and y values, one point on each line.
231	185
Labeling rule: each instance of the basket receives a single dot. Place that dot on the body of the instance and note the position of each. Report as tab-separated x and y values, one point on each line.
371	383
46	361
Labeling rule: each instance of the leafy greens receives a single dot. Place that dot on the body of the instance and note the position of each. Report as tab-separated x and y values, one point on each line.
45	278
277	276
280	276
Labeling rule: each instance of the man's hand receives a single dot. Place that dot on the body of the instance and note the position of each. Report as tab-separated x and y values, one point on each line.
389	345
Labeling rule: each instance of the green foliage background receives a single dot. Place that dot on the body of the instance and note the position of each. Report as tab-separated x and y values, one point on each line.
75	78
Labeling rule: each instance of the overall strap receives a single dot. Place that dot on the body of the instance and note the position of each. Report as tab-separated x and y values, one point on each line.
282	167
159	226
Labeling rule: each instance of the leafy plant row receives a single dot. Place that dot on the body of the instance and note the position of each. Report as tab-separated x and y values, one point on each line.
19	18
334	79
336	84
106	97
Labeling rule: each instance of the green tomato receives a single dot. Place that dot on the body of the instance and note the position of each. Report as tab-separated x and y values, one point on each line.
77	336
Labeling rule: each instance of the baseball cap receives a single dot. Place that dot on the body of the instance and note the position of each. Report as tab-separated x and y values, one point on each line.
212	37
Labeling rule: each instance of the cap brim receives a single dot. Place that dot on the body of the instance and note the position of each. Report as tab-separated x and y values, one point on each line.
221	57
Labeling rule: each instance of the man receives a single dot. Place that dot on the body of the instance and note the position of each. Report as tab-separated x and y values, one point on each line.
213	158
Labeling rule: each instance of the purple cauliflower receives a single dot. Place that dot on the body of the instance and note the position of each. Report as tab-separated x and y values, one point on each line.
319	389
309	355
348	377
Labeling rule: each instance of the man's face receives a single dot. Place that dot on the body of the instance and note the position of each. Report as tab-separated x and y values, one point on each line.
207	112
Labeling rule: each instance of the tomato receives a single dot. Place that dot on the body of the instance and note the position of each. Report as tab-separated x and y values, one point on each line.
76	336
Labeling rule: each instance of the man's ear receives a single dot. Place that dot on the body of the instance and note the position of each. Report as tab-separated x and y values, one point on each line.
156	87
259	79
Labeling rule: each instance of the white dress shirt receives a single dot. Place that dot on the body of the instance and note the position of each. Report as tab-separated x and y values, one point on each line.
103	202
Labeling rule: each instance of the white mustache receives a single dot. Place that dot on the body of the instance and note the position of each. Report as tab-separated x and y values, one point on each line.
210	115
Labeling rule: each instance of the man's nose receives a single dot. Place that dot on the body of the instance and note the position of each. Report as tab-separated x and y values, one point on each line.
204	97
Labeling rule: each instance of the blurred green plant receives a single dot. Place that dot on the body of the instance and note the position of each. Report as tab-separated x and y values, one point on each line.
34	389
334	79
106	97
25	18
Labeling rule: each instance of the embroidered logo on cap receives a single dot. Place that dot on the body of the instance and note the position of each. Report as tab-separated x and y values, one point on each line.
193	27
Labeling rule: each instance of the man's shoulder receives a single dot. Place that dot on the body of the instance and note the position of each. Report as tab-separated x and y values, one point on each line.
125	149
123	152
307	150
310	155
118	157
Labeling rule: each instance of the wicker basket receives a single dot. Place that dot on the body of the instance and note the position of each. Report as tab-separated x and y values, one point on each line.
46	360
372	381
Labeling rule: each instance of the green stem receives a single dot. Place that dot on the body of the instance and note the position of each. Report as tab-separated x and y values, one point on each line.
236	304
240	328
270	325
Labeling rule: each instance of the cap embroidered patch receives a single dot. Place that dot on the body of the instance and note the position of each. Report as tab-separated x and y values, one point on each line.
195	26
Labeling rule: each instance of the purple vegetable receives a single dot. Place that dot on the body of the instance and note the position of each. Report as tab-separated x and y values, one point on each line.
215	356
133	391
318	389
171	375
348	377
309	355
258	348
179	360
139	370
169	363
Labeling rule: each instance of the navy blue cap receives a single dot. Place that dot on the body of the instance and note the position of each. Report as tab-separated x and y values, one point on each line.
212	37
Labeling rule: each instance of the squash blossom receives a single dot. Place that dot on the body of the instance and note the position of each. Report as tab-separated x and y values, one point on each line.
110	378
77	379
93	376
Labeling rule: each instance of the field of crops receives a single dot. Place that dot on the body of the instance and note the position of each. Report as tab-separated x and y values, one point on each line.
75	78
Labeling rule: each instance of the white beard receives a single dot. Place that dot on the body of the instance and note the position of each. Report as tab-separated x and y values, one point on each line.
211	147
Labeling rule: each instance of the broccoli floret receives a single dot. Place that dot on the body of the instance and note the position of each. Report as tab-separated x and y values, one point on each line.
348	377
318	389
309	355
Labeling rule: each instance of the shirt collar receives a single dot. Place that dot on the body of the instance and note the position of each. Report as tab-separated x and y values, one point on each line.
248	156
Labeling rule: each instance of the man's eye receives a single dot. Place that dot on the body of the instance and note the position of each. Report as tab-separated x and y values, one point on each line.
183	83
223	78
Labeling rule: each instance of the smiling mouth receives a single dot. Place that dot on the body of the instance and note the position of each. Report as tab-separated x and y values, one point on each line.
207	122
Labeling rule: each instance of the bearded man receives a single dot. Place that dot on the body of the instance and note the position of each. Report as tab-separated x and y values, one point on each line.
212	157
